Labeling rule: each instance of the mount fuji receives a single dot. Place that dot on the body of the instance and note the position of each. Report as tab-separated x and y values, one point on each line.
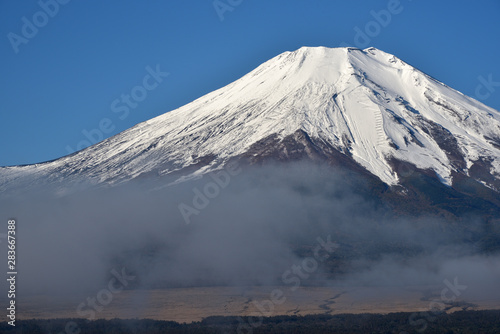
364	110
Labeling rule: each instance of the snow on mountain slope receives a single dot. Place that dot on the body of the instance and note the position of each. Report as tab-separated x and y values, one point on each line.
366	103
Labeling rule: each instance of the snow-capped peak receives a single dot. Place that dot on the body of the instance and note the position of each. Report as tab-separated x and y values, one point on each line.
366	103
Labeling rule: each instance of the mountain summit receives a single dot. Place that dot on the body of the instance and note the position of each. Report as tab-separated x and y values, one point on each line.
365	106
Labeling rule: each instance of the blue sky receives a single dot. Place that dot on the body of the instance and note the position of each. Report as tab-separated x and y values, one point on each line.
60	79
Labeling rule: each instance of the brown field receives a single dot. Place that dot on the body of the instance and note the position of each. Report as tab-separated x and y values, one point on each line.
194	304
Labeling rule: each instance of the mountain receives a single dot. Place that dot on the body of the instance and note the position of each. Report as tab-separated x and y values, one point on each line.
364	110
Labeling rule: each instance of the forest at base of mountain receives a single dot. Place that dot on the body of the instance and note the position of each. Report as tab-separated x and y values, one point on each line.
463	322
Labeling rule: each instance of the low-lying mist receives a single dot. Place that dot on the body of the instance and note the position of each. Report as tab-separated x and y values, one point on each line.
237	227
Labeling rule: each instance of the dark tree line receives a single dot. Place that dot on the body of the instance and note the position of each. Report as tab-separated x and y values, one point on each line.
462	322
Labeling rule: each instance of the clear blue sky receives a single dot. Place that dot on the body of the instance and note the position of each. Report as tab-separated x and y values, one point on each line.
65	76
